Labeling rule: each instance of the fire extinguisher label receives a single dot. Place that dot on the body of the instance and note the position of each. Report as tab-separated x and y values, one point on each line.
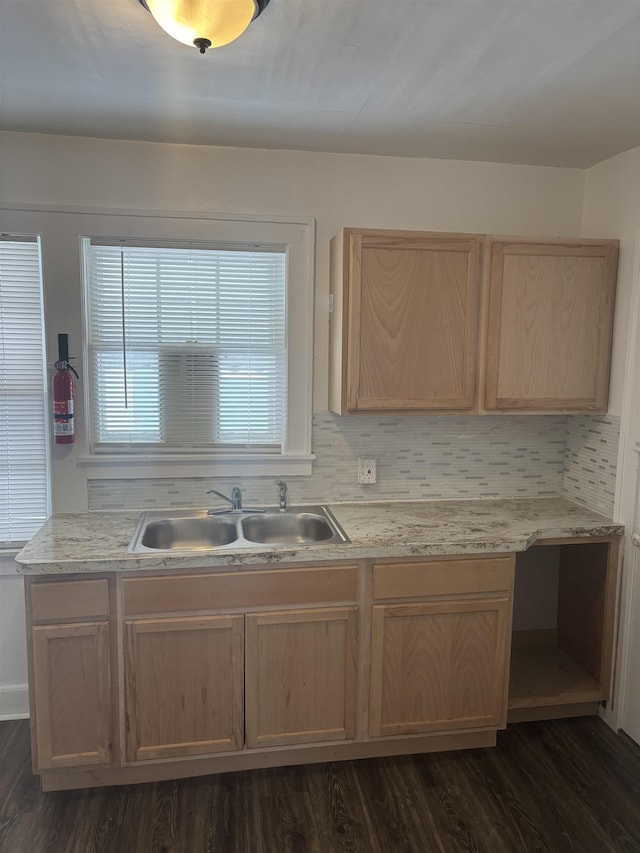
63	417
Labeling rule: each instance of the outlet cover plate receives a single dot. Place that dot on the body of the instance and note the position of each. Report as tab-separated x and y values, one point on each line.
367	470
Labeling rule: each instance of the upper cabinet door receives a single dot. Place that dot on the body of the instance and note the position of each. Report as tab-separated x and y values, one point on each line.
550	320
405	322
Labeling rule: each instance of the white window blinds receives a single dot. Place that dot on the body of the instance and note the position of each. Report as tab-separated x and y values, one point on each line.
187	346
23	444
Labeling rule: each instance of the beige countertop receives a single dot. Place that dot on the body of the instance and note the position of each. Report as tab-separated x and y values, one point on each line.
99	541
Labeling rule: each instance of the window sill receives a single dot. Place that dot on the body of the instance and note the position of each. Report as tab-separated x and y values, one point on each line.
133	467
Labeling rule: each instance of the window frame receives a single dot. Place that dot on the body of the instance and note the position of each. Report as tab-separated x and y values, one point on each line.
297	238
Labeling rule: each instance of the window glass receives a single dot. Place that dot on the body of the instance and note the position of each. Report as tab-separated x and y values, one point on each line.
187	346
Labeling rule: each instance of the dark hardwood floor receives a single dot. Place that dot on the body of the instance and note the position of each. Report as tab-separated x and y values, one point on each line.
566	785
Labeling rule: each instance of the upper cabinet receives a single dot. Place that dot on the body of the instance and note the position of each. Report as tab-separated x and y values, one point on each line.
405	321
550	319
406	333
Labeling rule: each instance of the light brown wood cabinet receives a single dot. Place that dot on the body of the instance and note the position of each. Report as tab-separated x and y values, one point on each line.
438	665
301	676
441	664
71	694
550	320
184	686
466	323
404	323
566	670
69	640
147	676
287	675
185	681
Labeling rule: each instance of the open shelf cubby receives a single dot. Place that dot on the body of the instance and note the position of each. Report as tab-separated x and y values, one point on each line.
562	643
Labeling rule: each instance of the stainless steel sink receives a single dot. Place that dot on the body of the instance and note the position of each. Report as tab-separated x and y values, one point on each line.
196	530
287	528
187	533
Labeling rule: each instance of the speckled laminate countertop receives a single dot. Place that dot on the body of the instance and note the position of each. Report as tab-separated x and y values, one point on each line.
98	541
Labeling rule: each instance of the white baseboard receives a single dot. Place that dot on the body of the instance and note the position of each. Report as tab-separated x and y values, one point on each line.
14	701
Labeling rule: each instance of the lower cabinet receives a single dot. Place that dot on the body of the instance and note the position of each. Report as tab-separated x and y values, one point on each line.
229	661
440	650
301	676
184	686
70	689
70	647
438	665
150	676
186	681
561	664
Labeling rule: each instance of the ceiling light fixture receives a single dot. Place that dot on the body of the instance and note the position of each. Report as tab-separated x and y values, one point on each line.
205	23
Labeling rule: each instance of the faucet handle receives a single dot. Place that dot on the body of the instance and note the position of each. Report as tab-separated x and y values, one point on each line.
219	494
283	495
235	500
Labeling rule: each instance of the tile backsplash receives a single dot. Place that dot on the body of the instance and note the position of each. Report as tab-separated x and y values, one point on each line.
590	461
419	458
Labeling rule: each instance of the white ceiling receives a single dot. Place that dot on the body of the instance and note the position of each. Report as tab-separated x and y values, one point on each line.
550	82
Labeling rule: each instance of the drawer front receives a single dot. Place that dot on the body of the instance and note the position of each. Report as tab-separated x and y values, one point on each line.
86	599
182	593
442	577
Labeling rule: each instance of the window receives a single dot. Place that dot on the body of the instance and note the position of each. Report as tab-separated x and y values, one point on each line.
187	346
200	349
24	500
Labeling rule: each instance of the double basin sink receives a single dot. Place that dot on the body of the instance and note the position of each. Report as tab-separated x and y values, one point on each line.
197	530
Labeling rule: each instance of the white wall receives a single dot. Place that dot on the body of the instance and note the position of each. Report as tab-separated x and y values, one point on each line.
14	700
612	208
337	190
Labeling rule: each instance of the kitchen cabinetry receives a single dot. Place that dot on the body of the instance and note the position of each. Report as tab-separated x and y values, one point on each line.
184	686
301	676
566	670
440	663
289	675
70	674
550	320
405	321
151	675
409	309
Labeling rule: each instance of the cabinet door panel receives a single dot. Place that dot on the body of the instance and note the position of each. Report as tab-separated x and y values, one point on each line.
413	312
184	686
301	669
438	666
71	688
550	319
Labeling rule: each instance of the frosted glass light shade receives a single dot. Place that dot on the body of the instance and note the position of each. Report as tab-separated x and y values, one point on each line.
218	21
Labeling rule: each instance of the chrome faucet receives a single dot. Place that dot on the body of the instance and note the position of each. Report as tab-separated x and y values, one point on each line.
283	495
235	500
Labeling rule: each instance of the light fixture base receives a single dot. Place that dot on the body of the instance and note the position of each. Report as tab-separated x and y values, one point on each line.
202	44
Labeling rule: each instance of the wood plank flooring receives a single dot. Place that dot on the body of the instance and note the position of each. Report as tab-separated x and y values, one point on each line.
563	785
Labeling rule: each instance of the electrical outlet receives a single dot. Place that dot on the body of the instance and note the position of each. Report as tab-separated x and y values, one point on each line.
366	470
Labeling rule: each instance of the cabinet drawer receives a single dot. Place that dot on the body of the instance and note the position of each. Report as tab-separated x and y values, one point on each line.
70	600
442	577
181	593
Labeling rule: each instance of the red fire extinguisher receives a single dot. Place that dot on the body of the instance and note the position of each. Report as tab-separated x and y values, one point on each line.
63	395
